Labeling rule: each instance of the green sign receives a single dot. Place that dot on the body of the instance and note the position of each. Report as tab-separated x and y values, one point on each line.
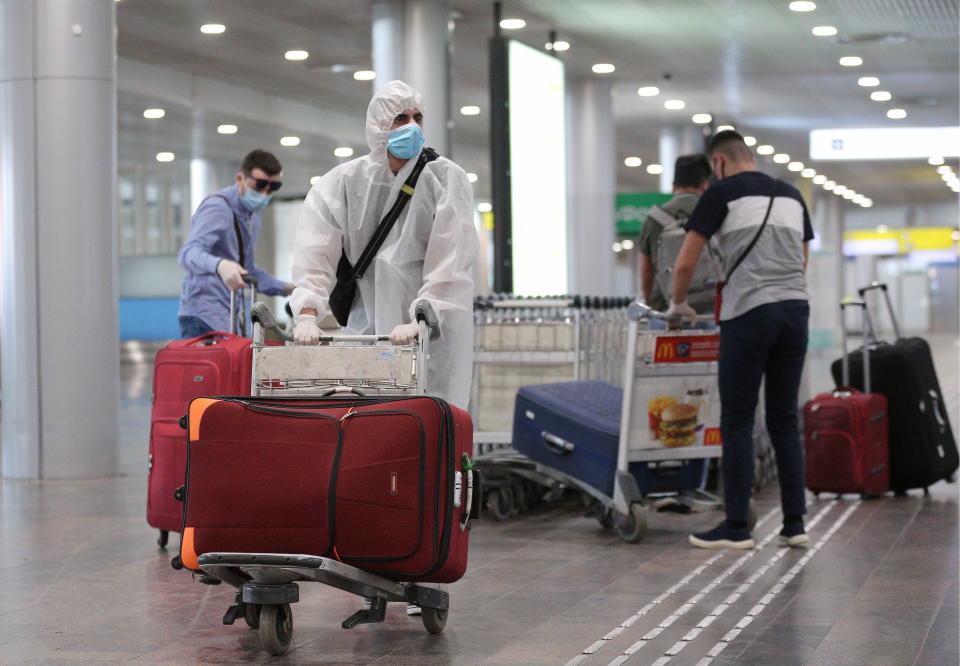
632	210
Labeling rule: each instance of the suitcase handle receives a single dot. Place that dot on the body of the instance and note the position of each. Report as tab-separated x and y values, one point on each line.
556	445
886	295
845	359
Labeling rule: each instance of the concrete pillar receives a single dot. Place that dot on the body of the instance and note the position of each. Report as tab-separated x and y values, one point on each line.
427	65
387	42
205	179
58	304
591	182
674	142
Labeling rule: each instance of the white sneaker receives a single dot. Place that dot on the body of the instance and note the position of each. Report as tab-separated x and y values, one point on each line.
413	609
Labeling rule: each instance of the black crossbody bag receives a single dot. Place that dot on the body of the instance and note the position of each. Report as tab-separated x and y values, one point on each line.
345	291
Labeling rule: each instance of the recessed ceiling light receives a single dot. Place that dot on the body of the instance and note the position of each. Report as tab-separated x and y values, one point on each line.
829	185
839	189
470	110
154	113
559	46
296	55
701	118
617	247
851	61
824	31
633	162
343	151
819	179
290	141
867	203
627	244
750	140
881	96
849	194
165	157
896	114
226	129
674	104
603	68
472	177
484	207
726	128
213	28
765	149
802	6
513	24
868	82
365	75
648	91
882	229
946	168
795	166
808	173
654	169
935	160
781	158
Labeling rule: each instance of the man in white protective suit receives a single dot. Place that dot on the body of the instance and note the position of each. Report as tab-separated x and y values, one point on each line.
428	255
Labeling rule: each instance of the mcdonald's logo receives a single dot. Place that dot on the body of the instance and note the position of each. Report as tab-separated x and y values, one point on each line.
665	350
711	437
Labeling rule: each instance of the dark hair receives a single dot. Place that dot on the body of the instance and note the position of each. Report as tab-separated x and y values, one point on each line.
261	159
730	144
691	170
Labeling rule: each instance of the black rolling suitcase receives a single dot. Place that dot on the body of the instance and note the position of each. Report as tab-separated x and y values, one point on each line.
922	446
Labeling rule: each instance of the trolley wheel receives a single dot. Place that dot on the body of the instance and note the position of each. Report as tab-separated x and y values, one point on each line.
251	614
633	527
752	515
605	518
163	539
500	503
434	619
276	628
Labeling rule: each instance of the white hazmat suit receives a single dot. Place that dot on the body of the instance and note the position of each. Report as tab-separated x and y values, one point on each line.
428	255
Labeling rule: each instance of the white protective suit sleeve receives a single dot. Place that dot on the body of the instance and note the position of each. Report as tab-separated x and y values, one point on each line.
319	243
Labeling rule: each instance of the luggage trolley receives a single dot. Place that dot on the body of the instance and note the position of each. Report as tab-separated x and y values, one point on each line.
267	582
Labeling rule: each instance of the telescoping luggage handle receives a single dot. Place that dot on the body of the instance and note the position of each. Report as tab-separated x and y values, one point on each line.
238	315
845	359
886	295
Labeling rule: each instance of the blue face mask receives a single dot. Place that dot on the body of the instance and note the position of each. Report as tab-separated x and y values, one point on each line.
405	142
255	201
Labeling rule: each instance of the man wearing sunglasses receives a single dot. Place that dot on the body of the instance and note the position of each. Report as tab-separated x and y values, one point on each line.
219	251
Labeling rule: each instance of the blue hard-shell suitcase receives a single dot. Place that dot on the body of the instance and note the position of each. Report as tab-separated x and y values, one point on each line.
574	427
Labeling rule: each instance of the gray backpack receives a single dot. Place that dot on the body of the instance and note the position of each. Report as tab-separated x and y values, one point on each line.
700	294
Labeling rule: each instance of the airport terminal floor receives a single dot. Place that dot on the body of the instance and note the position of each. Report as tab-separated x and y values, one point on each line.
82	581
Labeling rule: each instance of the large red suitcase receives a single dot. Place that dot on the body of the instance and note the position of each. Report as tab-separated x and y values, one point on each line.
846	435
376	483
213	364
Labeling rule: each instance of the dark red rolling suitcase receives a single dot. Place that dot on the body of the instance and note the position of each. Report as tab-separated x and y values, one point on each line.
377	483
213	364
845	435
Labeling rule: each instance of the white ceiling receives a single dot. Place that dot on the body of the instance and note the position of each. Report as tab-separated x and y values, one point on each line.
751	63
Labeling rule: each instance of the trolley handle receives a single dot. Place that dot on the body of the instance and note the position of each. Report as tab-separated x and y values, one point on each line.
886	295
261	314
638	311
845	358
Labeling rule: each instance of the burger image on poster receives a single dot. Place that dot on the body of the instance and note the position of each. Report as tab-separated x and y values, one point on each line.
678	425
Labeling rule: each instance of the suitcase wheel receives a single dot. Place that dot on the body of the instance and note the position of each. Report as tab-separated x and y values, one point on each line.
500	503
276	628
633	526
434	619
251	615
163	539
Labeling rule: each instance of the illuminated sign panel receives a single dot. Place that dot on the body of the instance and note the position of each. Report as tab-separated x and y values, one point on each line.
884	143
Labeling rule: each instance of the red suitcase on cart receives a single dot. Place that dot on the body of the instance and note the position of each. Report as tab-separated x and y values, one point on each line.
845	434
377	483
213	364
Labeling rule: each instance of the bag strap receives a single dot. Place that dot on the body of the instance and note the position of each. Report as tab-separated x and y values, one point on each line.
236	225
383	229
665	219
776	185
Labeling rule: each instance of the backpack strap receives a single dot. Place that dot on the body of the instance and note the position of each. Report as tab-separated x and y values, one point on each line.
663	218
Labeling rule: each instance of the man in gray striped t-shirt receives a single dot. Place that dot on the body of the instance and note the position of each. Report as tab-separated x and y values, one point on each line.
763	228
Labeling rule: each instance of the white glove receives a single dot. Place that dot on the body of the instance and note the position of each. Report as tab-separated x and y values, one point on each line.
231	273
404	334
683	311
307	330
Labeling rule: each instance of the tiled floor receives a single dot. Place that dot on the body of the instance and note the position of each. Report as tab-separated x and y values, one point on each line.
81	580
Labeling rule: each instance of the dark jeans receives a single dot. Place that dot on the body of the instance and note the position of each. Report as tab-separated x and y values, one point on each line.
191	327
767	343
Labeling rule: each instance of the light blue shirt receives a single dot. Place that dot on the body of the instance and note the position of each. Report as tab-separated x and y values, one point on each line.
212	238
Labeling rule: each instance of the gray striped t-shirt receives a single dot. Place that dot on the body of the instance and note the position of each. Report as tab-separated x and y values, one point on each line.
733	209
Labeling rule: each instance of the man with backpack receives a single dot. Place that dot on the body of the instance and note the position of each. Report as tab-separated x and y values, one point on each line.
662	236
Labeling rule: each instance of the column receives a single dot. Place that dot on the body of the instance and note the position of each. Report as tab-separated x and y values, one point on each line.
427	66
58	303
674	142
387	42
592	181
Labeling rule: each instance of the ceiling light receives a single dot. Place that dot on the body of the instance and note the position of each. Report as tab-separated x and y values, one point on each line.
165	157
654	169
472	177
633	162
849	194
935	160
896	114
213	28
484	207
674	104
296	55
726	128
795	166
880	96
750	140
315	179
868	82
829	185
802	6
290	141
154	113
946	168
343	151
955	235
882	229
851	61
226	129
765	149
824	31
867	203
839	189
470	110
627	244
808	173
365	75
859	199
603	68
561	46
513	24
648	91
781	158
820	179
617	247
701	118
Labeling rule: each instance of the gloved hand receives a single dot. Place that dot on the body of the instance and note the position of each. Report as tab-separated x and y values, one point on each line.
404	334
683	311
231	273
307	330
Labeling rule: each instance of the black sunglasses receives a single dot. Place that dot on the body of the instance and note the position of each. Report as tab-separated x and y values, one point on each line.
262	183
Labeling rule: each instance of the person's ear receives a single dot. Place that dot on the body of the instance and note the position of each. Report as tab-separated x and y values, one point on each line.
241	182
